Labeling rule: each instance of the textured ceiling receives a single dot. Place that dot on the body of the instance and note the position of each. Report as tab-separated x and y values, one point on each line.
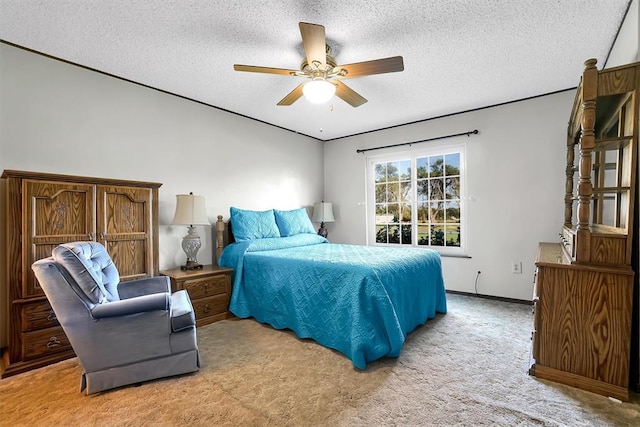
458	54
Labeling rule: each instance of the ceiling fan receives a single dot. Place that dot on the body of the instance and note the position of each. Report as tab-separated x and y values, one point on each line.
325	76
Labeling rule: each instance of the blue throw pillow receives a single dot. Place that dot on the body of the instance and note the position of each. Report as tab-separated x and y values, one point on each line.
250	225
293	222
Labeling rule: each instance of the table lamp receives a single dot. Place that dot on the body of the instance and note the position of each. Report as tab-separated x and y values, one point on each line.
323	212
190	210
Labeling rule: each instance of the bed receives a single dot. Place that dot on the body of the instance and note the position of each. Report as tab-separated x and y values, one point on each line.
359	300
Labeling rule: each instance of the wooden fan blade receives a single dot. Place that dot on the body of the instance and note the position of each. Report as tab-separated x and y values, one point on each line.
376	66
314	42
267	70
348	95
293	96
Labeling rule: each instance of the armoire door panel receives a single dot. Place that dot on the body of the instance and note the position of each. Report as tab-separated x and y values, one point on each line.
57	213
130	257
125	210
125	229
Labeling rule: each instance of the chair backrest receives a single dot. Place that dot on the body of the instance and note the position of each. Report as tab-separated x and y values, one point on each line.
91	267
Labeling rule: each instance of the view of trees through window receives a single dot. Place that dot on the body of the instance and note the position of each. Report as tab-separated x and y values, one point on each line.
421	208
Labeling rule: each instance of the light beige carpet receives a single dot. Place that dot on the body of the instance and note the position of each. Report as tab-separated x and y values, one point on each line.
468	367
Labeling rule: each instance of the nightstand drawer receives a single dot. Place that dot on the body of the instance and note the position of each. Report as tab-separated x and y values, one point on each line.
209	289
43	342
207	286
37	315
210	306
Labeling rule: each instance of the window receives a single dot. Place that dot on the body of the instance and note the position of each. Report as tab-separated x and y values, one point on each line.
416	199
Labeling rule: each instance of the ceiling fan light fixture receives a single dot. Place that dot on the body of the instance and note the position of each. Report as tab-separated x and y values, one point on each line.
318	91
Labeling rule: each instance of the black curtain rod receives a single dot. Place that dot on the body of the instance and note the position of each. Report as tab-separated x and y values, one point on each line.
471	132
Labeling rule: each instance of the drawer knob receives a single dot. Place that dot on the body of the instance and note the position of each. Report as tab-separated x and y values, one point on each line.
52	316
207	308
53	342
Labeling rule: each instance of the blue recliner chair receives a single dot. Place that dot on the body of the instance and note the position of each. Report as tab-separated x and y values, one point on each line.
123	333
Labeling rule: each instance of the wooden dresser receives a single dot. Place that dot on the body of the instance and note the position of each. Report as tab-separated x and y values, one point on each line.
584	287
209	289
582	326
44	210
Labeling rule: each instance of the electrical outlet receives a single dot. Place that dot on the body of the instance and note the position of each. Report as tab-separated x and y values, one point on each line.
516	267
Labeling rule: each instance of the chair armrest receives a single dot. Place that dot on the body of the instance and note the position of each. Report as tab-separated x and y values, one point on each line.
148	285
158	301
182	315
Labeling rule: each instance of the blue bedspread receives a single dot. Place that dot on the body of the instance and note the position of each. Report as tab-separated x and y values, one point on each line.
359	300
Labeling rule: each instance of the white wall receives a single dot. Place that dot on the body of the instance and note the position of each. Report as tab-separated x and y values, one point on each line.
625	50
515	180
59	118
515	183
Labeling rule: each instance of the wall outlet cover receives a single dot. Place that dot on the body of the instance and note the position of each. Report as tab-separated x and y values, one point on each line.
516	267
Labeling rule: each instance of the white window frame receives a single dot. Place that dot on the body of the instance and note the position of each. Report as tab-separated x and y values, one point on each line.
413	154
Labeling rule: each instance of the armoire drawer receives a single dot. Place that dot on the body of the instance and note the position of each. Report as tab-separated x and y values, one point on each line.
43	342
37	315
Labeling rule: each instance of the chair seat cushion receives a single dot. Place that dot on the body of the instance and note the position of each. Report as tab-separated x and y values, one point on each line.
182	315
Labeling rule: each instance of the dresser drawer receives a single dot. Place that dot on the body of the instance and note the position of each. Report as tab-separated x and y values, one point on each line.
45	341
207	286
37	315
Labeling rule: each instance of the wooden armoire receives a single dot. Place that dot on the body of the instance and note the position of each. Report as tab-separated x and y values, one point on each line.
584	287
44	210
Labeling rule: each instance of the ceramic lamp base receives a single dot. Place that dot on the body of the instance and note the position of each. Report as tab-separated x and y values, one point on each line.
322	231
190	245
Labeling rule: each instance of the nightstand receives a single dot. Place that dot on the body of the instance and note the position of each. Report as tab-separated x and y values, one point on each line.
209	289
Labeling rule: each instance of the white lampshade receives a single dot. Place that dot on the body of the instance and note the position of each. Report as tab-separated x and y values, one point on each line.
190	210
318	91
323	212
